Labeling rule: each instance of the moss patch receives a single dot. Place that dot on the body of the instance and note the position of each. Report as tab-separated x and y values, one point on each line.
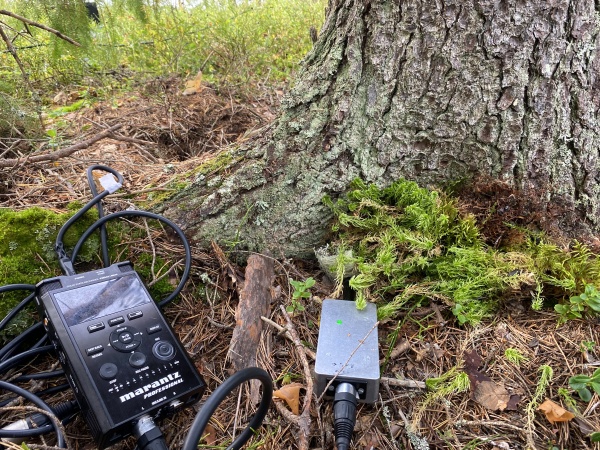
27	246
411	246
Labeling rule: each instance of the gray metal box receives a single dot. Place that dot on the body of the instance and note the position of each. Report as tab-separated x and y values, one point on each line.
348	349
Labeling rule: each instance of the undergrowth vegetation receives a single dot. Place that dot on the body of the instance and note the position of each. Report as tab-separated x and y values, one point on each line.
243	43
409	246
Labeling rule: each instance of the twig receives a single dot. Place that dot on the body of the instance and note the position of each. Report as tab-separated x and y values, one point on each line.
54	156
303	420
403	383
488	423
39	25
286	333
142	191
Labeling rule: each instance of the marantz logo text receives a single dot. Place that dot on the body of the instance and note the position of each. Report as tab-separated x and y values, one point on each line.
155	387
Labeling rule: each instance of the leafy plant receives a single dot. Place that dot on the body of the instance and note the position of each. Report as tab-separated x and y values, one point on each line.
586	303
587	346
583	383
300	291
410	244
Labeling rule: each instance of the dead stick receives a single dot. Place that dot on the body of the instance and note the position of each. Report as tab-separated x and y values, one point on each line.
286	333
403	383
304	419
39	25
54	156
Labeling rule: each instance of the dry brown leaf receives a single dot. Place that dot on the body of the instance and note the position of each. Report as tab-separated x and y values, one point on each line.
210	435
194	85
291	394
554	412
491	396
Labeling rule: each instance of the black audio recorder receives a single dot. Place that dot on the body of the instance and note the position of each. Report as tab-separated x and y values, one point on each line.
119	354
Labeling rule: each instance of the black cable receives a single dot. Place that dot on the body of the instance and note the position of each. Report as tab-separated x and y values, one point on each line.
13	312
180	234
49	391
37	424
92	184
59	247
60	440
344	414
215	399
17	287
40	376
9	363
8	349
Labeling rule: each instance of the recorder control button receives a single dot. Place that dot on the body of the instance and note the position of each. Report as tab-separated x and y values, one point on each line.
108	371
116	321
93	350
135	315
163	350
96	327
125	339
154	329
137	359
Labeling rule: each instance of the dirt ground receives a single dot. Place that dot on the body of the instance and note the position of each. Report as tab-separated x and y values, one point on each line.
165	133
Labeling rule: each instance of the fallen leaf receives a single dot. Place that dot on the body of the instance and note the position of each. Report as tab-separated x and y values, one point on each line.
555	413
513	402
491	396
210	435
291	394
194	85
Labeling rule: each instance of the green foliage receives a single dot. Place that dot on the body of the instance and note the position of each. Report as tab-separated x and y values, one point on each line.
410	245
236	40
586	303
301	290
242	42
546	374
454	381
583	383
514	356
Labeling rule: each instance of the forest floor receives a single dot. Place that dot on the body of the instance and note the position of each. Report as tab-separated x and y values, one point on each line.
165	134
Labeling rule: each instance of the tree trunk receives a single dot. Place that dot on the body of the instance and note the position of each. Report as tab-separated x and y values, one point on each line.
433	91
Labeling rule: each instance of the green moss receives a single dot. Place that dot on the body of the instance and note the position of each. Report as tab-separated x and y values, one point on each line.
213	165
27	246
410	245
143	266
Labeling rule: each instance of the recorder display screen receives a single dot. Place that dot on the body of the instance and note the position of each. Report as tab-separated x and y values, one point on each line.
100	299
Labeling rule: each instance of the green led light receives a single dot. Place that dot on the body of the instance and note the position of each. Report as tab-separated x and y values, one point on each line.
339	321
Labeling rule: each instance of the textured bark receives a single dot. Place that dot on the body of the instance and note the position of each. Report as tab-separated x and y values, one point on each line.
426	90
255	300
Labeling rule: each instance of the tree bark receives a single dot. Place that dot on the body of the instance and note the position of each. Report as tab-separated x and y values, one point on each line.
433	91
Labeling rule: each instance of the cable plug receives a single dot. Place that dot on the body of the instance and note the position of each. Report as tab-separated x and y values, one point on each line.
149	436
344	414
62	411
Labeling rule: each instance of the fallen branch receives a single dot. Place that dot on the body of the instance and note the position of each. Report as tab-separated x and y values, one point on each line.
39	25
54	156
